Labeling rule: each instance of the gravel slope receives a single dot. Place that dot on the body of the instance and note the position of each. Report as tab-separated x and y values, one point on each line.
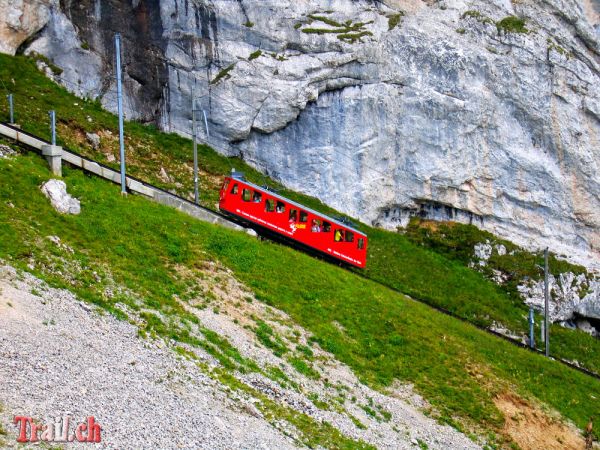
60	357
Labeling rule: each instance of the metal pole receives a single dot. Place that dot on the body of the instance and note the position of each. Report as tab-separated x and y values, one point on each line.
11	109
196	193
531	329
546	305
53	126
120	110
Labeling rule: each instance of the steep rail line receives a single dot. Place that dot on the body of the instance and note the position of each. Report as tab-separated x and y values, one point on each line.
35	143
32	142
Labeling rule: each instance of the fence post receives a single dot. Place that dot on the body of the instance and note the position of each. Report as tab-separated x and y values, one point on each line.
120	111
546	305
531	329
11	109
194	138
53	152
52	115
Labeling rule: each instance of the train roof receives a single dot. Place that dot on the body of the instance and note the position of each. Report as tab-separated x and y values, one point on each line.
281	197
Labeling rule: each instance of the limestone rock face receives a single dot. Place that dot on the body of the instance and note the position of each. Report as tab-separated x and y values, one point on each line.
574	300
56	191
590	306
445	109
21	19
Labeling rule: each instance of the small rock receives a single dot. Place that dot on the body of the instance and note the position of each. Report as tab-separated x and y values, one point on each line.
251	232
56	191
93	139
164	176
483	251
6	151
252	410
54	239
110	157
586	326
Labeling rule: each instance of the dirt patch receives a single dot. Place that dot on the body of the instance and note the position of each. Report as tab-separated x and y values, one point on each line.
532	429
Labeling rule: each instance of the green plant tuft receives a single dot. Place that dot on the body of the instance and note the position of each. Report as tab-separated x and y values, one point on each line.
394	20
254	55
512	24
223	74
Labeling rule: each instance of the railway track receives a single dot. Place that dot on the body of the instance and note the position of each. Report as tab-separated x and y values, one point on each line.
275	237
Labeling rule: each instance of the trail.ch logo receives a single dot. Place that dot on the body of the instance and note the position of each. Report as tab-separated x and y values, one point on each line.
58	430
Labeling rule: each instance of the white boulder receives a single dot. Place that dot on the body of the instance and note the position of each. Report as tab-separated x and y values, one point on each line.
56	191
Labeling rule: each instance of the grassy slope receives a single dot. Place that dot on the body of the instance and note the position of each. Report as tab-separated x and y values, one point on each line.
382	335
397	261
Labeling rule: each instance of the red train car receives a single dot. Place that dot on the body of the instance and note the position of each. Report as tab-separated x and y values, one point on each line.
270	211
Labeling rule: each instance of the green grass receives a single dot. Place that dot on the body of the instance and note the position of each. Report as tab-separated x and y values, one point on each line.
394	260
455	242
269	339
142	260
381	335
315	434
304	368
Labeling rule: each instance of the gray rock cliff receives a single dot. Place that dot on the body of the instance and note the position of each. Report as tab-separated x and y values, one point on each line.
448	109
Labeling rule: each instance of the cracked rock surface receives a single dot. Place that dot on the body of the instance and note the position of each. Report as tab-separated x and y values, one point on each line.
382	109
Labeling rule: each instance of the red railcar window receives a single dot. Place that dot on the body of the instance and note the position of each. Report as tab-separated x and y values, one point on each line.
326	227
293	215
280	207
316	226
361	243
257	197
234	189
303	216
338	236
246	195
270	205
349	236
